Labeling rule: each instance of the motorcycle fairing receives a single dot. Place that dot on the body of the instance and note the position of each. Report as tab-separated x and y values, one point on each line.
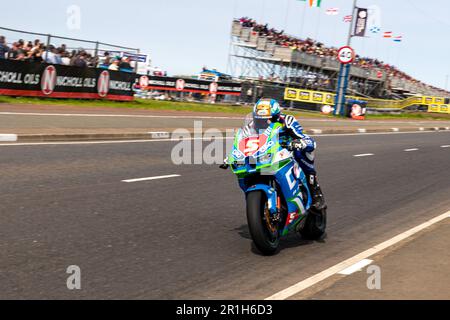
280	164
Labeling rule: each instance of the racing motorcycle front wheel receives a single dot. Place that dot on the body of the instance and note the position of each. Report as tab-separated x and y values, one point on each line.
263	229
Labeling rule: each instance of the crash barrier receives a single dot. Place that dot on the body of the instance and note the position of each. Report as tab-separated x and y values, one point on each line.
328	98
32	79
443	108
147	83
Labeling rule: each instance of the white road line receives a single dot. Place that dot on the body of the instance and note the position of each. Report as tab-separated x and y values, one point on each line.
160	134
174	117
114	115
356	267
177	140
8	137
151	178
446	146
363	155
411	150
105	142
311	281
376	133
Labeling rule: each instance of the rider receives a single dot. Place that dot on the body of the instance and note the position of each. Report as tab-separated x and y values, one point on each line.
267	111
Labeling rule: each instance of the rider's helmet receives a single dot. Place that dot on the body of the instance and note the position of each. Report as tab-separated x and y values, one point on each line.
265	112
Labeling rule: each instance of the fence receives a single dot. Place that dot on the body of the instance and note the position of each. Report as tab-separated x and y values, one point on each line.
95	48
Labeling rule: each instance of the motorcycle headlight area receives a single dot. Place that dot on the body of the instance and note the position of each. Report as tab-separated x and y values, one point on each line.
265	158
238	164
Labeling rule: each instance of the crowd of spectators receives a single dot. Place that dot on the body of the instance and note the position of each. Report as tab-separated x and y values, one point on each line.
37	51
319	49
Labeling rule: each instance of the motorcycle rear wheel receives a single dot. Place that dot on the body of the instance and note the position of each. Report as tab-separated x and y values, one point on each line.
265	240
315	225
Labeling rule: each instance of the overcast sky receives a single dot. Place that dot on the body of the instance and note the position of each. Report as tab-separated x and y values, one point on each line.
182	36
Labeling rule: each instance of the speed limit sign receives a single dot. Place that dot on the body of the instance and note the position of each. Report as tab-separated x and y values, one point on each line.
346	55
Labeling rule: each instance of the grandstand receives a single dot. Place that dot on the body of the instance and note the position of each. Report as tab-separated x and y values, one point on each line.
256	55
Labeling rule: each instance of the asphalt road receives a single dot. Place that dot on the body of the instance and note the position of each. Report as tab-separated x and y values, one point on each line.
186	237
25	119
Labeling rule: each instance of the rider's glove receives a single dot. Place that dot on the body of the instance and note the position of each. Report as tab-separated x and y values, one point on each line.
298	145
225	164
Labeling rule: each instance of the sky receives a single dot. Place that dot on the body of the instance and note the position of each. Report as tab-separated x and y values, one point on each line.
183	36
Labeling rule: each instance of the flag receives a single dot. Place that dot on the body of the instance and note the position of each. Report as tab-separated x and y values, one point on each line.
360	22
387	34
332	11
375	29
313	3
398	39
348	18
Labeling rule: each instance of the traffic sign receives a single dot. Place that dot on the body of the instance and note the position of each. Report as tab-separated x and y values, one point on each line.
346	55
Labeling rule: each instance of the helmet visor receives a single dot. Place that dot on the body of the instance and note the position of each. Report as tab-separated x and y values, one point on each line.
261	124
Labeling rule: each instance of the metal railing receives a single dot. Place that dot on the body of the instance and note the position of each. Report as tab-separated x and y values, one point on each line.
97	45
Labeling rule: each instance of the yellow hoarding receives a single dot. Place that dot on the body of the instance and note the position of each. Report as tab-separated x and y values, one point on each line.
435	104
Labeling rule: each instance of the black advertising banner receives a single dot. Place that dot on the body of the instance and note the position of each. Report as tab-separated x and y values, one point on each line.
21	78
190	85
361	22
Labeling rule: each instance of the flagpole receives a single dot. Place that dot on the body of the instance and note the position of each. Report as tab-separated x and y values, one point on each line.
316	36
287	14
303	22
397	56
350	29
235	9
344	73
335	28
263	12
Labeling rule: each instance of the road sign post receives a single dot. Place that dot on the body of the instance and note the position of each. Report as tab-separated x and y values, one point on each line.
344	72
346	55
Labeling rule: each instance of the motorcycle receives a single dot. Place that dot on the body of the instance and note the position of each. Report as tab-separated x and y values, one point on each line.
277	193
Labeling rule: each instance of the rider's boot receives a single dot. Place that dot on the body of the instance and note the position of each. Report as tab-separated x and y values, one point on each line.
318	200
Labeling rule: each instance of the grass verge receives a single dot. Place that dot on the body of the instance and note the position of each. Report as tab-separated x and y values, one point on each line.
146	105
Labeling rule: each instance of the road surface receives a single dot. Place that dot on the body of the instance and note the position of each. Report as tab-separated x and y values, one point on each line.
32	119
185	236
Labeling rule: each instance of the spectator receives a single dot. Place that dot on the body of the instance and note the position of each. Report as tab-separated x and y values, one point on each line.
36	53
105	61
80	60
51	55
13	53
62	49
34	49
73	57
65	58
114	65
3	48
125	64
